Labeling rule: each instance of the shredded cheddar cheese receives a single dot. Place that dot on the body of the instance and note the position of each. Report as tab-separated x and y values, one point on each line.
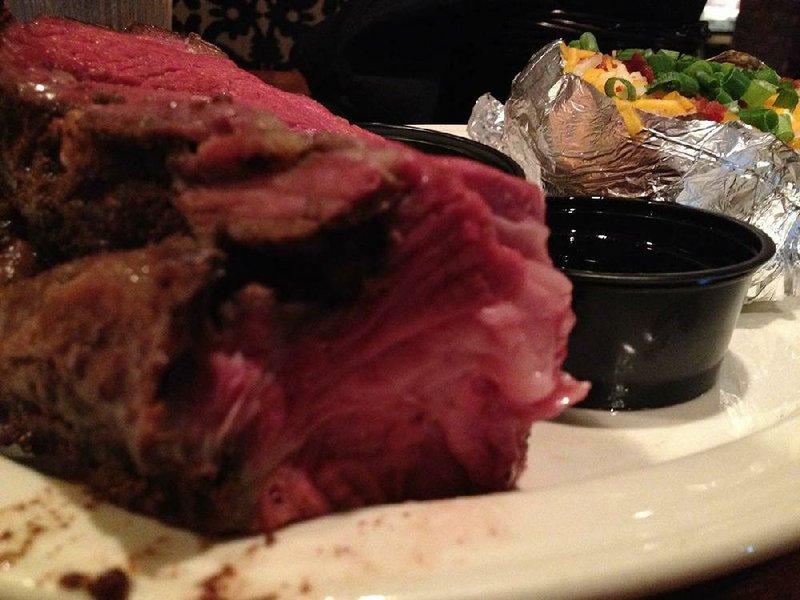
629	116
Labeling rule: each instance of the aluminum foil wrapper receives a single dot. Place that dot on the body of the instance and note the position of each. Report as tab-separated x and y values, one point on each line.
569	137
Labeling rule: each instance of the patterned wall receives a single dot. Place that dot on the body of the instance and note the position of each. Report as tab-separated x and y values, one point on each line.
258	34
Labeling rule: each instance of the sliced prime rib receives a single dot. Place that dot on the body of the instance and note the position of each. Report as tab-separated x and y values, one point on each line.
232	324
153	59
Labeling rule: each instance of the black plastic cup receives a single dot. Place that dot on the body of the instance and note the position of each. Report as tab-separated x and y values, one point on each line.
658	288
445	144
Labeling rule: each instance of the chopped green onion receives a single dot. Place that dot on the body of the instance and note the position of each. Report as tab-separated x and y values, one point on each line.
760	118
610	89
736	83
673	81
708	83
589	42
783	131
684	61
628	53
724	97
787	98
662	62
768	75
699	67
758	92
723	68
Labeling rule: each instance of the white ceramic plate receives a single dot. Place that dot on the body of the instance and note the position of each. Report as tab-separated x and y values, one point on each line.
612	503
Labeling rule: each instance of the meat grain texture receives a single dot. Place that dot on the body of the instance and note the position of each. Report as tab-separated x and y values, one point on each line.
224	306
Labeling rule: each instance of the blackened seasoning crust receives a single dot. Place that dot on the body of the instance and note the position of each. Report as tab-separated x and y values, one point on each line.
225	307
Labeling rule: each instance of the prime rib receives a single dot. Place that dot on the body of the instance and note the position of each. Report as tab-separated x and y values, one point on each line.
225	307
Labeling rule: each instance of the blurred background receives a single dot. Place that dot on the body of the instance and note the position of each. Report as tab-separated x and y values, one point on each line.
426	61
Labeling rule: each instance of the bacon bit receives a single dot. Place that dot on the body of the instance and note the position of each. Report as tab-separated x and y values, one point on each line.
710	110
638	63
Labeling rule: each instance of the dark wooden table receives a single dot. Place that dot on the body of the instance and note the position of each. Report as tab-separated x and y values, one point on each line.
776	579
